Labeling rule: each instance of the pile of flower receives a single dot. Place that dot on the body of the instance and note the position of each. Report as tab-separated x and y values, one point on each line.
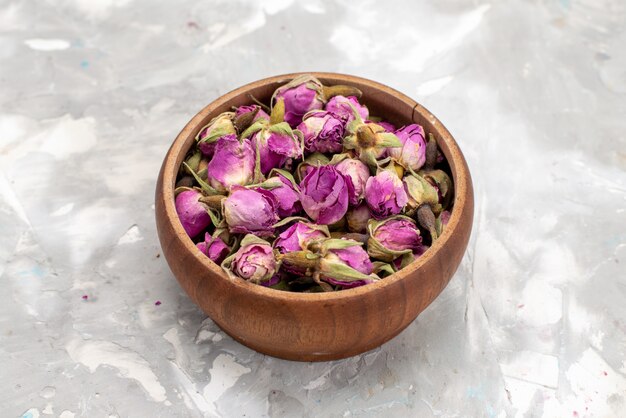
313	194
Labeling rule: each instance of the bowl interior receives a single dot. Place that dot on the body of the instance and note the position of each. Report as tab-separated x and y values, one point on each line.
381	101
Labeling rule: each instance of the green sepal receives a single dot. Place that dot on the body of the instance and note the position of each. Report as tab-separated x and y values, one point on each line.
258	174
337	158
286	174
254	128
286	221
215	217
206	188
181	189
338	244
378	251
340	271
388	140
192	163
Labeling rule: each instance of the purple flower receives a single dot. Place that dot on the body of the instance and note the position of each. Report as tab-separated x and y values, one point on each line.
286	196
356	173
276	144
323	132
358	217
232	163
250	211
192	214
219	127
442	183
296	237
343	107
398	235
214	248
412	154
242	110
301	95
311	161
355	257
324	195
385	195
394	237
369	140
445	217
271	282
254	261
420	192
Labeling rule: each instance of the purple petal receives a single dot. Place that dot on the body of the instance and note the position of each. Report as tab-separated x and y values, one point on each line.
250	211
385	194
232	163
192	214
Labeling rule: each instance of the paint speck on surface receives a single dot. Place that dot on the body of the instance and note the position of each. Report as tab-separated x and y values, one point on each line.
224	373
157	303
85	297
130	365
47	44
433	86
84	64
48	392
131	235
63	210
31	413
193	25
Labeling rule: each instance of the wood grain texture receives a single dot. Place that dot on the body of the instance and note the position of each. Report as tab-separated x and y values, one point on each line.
318	326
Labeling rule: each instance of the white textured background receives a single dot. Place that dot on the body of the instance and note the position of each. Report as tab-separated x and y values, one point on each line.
93	92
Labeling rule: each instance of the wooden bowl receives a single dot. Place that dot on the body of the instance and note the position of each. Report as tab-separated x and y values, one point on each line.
316	326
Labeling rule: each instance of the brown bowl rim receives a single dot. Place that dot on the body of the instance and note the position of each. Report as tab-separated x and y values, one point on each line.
455	158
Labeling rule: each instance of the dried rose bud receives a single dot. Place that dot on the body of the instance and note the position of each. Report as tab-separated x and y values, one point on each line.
354	257
306	93
442	182
342	262
324	195
219	127
322	131
313	160
232	164
358	218
249	211
369	140
412	154
254	261
357	173
260	114
385	194
420	192
286	194
298	235
393	237
344	108
214	248
193	215
276	144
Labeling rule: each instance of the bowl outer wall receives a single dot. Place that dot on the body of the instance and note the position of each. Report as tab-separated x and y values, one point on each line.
318	326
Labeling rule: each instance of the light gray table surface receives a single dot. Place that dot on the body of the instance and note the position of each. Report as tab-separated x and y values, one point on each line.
92	94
